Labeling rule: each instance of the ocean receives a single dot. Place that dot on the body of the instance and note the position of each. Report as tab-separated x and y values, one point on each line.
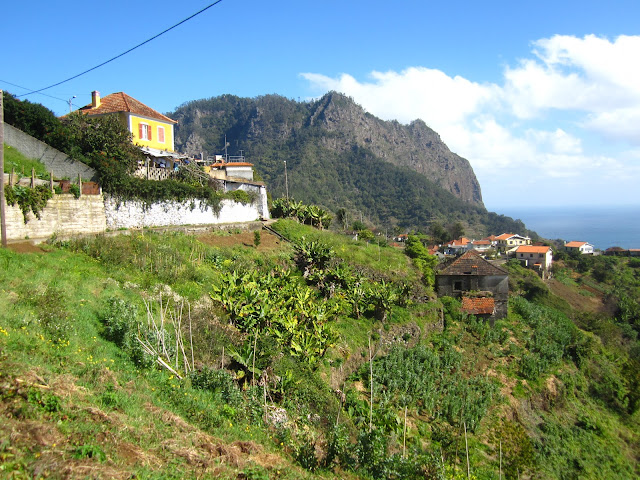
603	227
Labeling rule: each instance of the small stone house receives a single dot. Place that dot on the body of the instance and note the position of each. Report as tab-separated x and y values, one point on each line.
482	286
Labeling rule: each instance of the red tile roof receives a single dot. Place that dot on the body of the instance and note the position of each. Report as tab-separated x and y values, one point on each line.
478	306
121	102
481	242
575	244
532	249
231	164
505	236
462	241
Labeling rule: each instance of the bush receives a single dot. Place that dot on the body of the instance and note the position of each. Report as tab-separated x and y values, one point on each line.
118	318
219	382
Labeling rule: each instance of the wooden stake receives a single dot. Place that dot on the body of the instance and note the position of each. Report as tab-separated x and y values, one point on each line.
370	387
193	362
253	373
466	446
3	225
500	478
404	433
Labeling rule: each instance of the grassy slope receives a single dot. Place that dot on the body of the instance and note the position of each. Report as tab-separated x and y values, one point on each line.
74	405
14	160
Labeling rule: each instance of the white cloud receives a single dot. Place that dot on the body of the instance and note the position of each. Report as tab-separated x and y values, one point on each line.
585	86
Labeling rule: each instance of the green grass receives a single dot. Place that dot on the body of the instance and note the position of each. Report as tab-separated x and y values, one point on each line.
16	161
389	262
63	372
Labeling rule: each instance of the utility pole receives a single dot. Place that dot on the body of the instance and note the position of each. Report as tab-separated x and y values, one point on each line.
286	180
3	225
70	103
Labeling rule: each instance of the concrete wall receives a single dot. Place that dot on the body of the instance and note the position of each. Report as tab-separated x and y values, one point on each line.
60	164
134	214
64	215
260	191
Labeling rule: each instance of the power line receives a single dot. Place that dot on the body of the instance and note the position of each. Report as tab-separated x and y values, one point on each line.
25	88
123	53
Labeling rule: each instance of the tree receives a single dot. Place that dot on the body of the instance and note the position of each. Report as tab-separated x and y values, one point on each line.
32	118
438	233
341	216
456	230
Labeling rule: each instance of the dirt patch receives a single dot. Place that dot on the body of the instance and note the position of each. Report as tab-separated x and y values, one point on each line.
25	247
593	302
268	241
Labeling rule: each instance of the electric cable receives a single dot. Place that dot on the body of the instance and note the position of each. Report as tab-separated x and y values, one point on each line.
123	53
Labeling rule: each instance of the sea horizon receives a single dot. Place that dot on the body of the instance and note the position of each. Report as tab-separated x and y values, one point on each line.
603	226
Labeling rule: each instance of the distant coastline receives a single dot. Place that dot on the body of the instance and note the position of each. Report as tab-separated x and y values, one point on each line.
602	226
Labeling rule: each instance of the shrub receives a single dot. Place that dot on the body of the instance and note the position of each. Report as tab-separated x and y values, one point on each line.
219	382
118	318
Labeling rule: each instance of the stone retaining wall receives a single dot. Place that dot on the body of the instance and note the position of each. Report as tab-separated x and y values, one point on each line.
64	215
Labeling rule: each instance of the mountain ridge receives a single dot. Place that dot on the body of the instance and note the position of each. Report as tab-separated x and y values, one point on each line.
340	156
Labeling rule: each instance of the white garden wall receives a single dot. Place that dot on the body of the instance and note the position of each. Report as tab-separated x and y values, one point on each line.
134	214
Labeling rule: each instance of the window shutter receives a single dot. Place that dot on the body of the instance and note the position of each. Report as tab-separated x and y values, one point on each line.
140	131
149	131
161	134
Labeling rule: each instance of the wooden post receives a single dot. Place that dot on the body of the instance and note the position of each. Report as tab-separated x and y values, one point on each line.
404	433
12	177
466	446
500	478
51	181
370	387
33	177
80	184
3	225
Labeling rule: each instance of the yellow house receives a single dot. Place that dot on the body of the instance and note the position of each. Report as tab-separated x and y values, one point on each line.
151	130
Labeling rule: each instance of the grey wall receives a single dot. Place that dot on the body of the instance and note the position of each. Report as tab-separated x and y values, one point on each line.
496	284
57	162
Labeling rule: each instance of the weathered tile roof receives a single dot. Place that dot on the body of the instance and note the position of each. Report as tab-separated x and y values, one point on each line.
121	102
471	263
478	306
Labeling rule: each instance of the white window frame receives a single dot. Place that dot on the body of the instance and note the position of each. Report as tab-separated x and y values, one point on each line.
145	131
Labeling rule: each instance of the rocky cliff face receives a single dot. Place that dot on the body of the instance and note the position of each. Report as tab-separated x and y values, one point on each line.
414	146
337	124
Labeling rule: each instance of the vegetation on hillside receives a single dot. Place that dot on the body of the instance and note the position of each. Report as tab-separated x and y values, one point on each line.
160	356
105	144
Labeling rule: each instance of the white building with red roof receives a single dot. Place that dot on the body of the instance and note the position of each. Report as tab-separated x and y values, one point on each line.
537	257
578	246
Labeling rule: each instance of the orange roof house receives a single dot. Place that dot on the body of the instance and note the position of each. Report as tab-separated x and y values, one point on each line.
578	246
538	257
508	241
150	129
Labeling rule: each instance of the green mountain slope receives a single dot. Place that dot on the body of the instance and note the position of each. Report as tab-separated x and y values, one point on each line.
332	359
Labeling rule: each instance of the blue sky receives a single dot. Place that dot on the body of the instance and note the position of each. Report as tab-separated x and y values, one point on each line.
543	98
